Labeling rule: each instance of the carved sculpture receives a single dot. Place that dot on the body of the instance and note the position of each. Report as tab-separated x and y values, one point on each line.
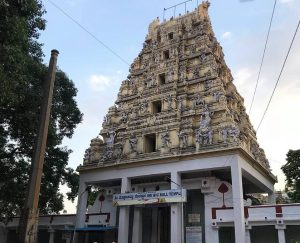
183	138
143	106
165	139
124	117
204	136
198	101
133	143
205	119
169	100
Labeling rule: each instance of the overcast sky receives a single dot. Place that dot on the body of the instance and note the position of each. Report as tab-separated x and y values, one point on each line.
240	27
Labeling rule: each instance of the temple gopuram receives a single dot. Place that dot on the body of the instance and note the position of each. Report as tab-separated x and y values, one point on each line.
177	158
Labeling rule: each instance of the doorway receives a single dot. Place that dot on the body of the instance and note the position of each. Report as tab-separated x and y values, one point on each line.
156	224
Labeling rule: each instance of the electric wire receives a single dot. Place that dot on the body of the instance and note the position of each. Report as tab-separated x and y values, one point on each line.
88	32
279	76
263	56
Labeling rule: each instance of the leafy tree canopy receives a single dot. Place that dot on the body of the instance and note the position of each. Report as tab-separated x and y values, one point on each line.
292	172
21	80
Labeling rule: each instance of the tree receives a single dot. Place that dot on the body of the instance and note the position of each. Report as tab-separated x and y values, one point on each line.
21	79
292	172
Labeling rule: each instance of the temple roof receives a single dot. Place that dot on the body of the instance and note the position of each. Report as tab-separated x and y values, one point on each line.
178	99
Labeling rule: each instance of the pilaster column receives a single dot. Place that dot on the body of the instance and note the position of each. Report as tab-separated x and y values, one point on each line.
211	229
124	214
154	226
281	235
51	235
247	233
81	208
176	212
137	226
238	202
271	197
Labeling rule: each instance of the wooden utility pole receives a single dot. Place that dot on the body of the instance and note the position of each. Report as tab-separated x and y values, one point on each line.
29	219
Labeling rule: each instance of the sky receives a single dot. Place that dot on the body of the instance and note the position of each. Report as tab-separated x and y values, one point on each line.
240	27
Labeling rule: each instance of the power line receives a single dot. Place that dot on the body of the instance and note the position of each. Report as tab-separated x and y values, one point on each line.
87	31
286	57
263	56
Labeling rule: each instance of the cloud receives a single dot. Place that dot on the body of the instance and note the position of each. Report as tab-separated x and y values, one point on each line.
287	1
100	82
227	35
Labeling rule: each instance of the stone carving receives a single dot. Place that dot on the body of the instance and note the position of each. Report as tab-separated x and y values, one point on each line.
196	73
183	139
124	117
108	155
143	106
133	143
107	120
205	118
169	100
207	84
165	139
87	155
217	95
204	136
232	132
198	101
254	149
180	105
110	139
202	57
134	89
151	120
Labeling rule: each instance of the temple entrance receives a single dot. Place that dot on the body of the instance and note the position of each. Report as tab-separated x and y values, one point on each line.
156	224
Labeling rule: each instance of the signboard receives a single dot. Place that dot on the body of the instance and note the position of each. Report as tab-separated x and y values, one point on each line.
166	196
194	217
193	234
66	235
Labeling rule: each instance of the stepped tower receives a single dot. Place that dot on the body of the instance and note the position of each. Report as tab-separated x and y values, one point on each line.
178	100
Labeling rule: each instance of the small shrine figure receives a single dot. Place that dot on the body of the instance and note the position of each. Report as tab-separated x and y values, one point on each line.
165	138
198	101
133	143
183	138
144	106
124	117
169	100
110	140
205	118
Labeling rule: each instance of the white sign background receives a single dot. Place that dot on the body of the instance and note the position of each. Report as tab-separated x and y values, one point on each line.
166	196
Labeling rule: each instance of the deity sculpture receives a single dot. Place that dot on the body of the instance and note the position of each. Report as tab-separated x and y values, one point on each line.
169	100
144	106
165	138
124	117
180	105
205	118
204	136
107	120
133	143
183	138
110	140
198	101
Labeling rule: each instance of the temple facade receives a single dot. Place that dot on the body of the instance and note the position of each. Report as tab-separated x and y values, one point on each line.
177	155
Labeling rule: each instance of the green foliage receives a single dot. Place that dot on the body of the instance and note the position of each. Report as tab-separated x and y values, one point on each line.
292	172
21	80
